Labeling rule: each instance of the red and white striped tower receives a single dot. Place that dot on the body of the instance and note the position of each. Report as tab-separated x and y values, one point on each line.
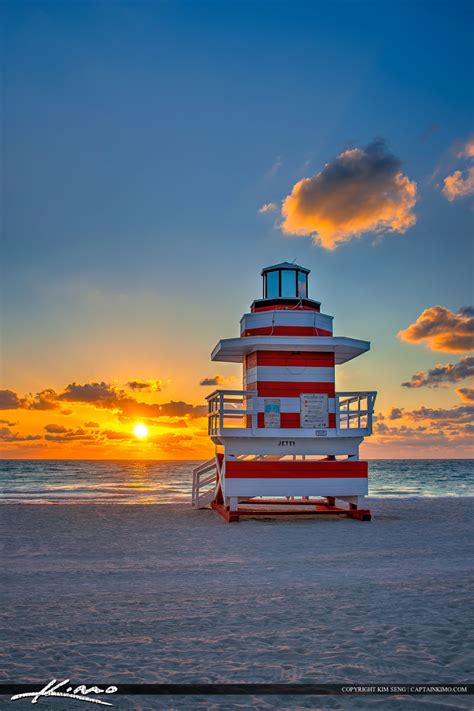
288	436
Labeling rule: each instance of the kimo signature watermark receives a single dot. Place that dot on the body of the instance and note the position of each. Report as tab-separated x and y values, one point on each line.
60	689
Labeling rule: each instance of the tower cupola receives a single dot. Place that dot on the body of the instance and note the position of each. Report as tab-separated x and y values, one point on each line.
285	280
285	286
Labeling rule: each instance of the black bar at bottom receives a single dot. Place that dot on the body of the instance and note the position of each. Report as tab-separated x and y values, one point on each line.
252	689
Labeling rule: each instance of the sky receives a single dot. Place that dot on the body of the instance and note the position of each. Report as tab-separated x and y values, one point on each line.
157	155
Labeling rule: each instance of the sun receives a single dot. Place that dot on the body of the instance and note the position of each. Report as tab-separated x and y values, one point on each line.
140	430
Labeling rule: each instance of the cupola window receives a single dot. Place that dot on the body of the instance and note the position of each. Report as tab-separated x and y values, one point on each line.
286	281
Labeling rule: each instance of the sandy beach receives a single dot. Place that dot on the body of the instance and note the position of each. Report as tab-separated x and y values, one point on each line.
162	593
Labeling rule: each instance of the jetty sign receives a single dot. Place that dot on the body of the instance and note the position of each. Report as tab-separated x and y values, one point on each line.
314	410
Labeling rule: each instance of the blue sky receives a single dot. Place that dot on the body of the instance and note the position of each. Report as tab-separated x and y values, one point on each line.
141	139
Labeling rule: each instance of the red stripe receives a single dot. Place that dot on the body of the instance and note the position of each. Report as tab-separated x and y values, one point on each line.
296	470
280	389
286	331
287	358
290	420
283	308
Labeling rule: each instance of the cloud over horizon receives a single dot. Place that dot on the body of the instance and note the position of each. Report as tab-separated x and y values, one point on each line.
442	329
101	395
425	427
361	190
6	435
442	373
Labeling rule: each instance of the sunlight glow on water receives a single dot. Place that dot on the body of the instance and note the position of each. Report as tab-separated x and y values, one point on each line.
162	482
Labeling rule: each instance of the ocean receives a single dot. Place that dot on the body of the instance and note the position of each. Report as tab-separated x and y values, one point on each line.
164	482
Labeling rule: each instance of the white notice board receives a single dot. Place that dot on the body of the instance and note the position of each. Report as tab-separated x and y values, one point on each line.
314	410
271	409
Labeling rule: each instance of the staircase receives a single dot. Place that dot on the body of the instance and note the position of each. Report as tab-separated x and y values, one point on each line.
204	484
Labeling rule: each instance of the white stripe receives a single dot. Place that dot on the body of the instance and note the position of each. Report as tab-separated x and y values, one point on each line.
296	487
264	319
290	374
292	404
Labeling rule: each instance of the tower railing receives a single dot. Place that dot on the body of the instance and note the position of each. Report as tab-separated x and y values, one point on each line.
355	410
237	406
237	410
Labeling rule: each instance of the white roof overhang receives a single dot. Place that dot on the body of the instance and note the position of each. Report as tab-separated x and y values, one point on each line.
231	350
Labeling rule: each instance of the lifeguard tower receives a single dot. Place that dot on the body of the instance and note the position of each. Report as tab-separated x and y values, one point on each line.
287	442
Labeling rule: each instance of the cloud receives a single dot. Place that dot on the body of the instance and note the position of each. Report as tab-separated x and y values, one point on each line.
466	394
362	190
64	435
91	424
161	421
99	394
105	396
9	400
459	184
275	167
468	151
416	437
169	441
145	385
8	423
442	329
173	442
6	435
460	413
56	429
426	427
113	434
396	413
180	408
268	207
216	380
44	400
442	373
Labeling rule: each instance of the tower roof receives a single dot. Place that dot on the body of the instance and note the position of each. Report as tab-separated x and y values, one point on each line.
285	265
231	350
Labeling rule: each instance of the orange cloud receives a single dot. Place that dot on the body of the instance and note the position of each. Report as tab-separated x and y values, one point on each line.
102	396
443	330
362	190
145	385
468	150
466	394
459	184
